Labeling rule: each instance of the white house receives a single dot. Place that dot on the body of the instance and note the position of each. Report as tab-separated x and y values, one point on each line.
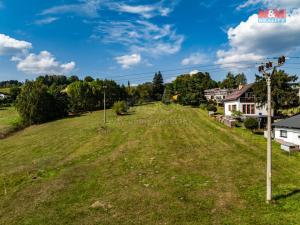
287	132
243	100
3	96
217	94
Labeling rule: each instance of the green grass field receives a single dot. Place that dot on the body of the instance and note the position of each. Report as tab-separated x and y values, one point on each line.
8	118
161	165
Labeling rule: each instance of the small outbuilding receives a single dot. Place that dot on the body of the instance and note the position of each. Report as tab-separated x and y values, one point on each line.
287	133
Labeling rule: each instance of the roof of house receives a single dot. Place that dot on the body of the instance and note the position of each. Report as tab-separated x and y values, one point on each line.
238	93
292	122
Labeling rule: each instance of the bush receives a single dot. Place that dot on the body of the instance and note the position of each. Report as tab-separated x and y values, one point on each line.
36	104
211	108
236	113
120	107
251	123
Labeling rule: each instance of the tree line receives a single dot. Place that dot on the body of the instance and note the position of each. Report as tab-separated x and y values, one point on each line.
51	97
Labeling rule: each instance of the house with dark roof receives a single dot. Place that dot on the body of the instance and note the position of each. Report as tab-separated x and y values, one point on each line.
243	100
287	132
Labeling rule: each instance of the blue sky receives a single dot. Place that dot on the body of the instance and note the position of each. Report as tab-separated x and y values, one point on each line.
129	40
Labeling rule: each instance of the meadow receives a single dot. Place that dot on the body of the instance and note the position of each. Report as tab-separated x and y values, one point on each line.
159	165
8	118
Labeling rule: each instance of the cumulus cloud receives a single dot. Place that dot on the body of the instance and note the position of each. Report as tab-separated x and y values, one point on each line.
45	21
194	59
43	63
129	60
252	41
141	36
87	8
9	45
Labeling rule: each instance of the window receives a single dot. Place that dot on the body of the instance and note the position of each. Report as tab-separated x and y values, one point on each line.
252	109
233	107
244	109
248	109
229	108
283	133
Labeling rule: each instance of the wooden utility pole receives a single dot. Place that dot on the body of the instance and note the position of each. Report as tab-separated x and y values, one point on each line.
269	65
104	103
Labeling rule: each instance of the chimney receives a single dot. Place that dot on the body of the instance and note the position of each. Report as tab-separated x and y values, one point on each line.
241	86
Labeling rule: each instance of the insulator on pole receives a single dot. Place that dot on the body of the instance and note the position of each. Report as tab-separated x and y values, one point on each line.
281	60
269	65
261	68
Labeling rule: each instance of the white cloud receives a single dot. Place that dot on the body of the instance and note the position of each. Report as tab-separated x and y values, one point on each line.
143	10
45	21
87	8
43	63
141	36
271	3
170	80
194	59
90	8
252	41
10	45
248	3
194	72
129	60
146	11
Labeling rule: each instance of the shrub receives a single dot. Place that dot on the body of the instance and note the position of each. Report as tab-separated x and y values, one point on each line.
251	123
36	104
120	107
211	108
14	92
236	113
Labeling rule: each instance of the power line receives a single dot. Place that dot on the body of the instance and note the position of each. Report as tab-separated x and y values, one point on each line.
245	62
174	75
191	67
196	68
210	68
140	77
